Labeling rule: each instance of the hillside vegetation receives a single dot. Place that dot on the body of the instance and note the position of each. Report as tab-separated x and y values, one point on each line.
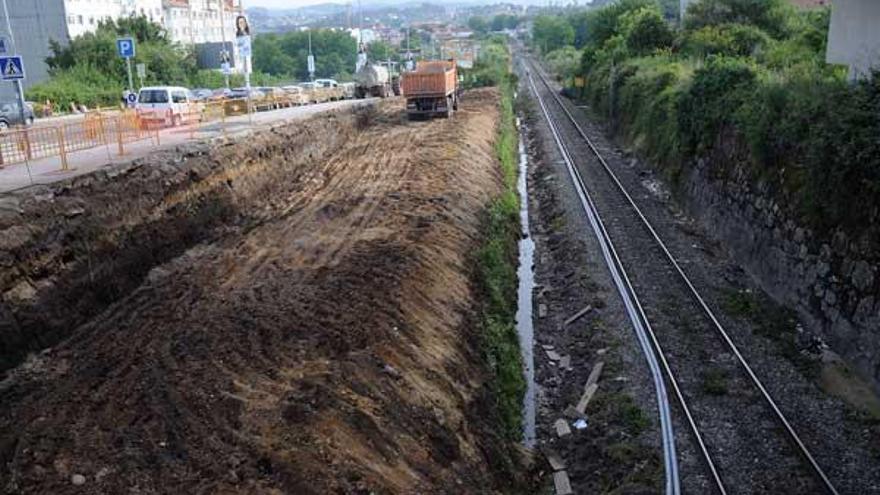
742	83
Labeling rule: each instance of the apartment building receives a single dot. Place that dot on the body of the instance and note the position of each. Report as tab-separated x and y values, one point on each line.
186	21
200	21
83	16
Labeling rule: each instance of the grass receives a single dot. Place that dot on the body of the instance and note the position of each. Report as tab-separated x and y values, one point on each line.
497	272
772	322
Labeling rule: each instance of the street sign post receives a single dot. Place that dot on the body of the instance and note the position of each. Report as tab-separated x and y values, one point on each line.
141	72
126	49
17	81
11	68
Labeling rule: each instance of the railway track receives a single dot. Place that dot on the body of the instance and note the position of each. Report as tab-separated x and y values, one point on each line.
739	434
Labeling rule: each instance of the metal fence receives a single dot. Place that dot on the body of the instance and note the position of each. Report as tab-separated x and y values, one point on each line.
114	127
95	129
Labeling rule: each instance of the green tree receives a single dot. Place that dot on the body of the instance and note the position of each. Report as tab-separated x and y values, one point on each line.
504	21
552	33
646	30
269	57
601	24
478	25
379	50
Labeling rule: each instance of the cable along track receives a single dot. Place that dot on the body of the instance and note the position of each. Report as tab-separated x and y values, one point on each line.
724	429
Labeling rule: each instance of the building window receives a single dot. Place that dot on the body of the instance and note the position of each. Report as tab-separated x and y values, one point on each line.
79	19
71	19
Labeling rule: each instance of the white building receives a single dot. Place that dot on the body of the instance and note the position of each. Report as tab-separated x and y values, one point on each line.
200	21
185	21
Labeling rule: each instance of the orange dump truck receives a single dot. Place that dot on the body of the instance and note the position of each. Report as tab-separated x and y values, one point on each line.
431	89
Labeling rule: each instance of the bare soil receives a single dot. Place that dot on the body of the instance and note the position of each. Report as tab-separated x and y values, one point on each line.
318	338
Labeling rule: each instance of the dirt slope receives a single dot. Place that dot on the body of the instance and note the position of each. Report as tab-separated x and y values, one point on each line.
326	348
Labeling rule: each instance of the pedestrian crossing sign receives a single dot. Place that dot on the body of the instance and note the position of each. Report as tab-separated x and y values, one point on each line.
11	68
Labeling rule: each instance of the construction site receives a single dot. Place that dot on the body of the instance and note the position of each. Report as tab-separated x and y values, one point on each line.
289	312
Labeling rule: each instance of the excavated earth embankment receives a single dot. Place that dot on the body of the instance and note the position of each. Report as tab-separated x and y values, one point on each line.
290	313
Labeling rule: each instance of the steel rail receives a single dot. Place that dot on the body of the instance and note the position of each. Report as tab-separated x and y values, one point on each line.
820	473
633	307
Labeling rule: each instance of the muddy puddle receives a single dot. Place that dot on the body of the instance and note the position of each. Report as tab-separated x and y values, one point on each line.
526	277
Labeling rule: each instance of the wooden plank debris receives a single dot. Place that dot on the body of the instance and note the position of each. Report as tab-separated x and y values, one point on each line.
553	355
571	412
562	484
594	375
562	428
577	315
586	398
555	461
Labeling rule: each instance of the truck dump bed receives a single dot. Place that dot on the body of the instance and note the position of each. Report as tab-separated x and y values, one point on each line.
433	78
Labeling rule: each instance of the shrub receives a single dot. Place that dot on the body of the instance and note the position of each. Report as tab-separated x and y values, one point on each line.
707	107
734	40
564	62
772	16
81	84
648	107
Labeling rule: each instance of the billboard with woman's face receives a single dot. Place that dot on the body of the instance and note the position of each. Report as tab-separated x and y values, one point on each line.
241	26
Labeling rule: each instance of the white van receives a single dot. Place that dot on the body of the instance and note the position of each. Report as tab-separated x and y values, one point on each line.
168	105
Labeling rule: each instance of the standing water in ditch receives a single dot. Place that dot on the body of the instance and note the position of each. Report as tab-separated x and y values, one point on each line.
526	276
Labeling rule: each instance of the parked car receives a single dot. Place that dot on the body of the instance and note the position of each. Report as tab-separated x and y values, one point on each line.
295	94
168	105
10	115
202	94
315	93
348	90
331	88
243	93
326	83
221	94
277	95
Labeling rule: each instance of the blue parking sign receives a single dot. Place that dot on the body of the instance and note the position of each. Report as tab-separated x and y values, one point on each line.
125	47
11	68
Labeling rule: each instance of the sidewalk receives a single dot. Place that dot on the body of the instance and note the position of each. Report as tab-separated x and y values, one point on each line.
48	170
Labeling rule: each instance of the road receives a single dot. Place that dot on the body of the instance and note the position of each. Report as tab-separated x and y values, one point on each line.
48	170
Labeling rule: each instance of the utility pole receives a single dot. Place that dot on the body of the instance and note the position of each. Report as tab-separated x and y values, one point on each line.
18	87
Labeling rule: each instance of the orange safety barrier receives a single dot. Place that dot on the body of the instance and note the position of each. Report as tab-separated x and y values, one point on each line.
20	145
130	128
